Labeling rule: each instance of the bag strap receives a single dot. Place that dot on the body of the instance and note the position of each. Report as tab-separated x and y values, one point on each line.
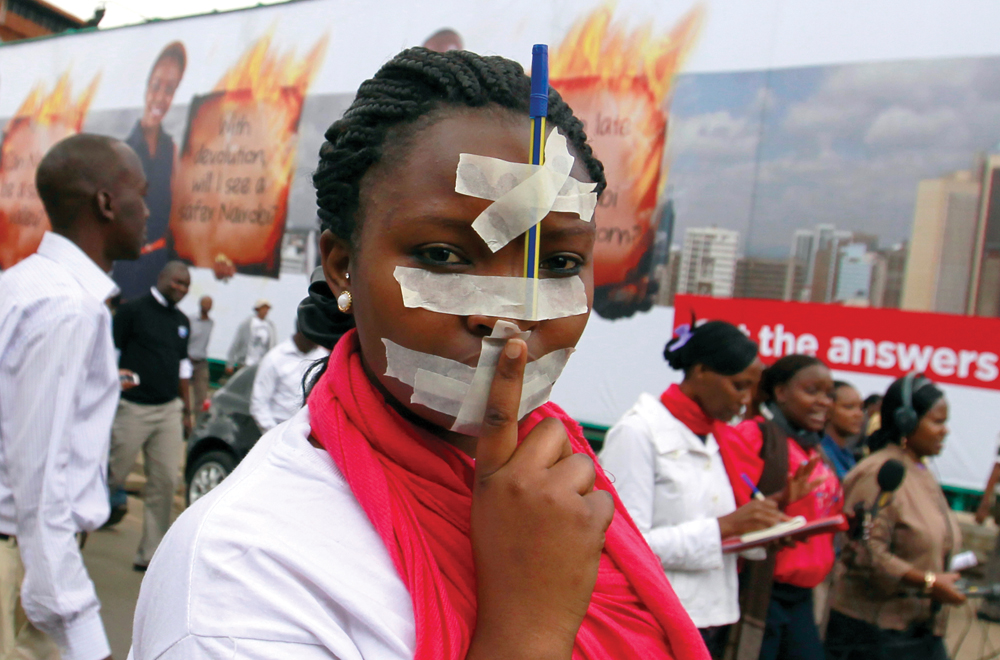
757	577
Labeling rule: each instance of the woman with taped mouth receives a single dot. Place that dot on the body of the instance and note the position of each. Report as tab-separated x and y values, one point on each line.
665	461
780	454
365	527
888	592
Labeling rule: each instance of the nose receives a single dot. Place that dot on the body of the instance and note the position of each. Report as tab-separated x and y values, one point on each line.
482	326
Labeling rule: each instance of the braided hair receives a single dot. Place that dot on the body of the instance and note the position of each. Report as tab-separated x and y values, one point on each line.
403	97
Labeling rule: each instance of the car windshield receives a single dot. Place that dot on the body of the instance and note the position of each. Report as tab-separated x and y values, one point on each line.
241	384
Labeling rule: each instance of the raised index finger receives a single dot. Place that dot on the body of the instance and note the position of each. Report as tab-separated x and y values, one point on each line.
498	438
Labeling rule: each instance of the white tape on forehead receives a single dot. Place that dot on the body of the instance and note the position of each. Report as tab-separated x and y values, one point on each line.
490	295
523	194
460	391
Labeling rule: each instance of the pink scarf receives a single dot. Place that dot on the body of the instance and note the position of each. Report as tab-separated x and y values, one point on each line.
417	494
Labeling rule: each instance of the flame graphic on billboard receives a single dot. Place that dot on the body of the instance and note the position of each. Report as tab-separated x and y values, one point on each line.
265	72
618	81
597	47
43	119
57	107
231	190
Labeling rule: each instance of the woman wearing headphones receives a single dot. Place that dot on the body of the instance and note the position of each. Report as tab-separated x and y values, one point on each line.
890	588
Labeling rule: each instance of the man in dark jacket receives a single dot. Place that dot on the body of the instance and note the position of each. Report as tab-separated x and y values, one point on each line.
152	335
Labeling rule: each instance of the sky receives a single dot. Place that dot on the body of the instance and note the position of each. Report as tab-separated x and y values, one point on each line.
767	153
128	12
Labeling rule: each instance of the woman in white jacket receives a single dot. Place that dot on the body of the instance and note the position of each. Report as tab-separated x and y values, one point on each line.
665	462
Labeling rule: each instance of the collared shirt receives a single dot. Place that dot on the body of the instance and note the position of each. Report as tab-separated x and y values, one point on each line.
277	386
318	584
201	332
186	368
675	487
58	394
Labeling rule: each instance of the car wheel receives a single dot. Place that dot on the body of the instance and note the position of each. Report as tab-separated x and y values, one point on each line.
209	471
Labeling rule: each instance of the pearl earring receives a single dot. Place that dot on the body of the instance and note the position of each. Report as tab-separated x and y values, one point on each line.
344	301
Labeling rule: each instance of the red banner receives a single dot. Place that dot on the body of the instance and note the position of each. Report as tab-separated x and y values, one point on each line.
953	349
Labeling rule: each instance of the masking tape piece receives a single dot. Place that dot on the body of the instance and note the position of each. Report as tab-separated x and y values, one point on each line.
490	295
523	194
460	391
470	415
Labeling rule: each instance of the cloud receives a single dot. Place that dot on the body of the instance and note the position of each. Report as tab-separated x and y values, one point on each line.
904	127
850	152
713	135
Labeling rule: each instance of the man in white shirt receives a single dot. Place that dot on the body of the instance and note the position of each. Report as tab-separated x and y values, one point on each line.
59	388
277	386
254	338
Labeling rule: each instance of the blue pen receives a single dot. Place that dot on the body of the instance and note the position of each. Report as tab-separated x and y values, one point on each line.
757	495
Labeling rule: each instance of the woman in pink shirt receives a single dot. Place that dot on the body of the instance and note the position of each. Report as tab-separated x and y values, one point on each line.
779	449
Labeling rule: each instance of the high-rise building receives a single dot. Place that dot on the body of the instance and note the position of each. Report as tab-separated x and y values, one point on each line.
817	251
854	274
895	268
799	261
942	248
666	276
984	286
708	262
765	278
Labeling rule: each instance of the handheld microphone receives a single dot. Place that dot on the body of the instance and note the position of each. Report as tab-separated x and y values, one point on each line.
890	476
858	519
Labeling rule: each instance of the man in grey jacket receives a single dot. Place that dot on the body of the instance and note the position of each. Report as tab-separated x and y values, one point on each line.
254	338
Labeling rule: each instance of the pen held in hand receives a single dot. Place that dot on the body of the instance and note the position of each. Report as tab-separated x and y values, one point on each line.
757	495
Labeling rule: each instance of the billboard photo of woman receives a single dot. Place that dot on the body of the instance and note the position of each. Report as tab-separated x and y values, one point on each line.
157	152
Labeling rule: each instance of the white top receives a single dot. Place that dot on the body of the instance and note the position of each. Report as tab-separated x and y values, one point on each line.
260	340
278	561
201	332
675	487
58	394
277	386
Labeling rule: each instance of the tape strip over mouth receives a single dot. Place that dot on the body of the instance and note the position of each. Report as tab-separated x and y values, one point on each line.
523	194
490	295
460	391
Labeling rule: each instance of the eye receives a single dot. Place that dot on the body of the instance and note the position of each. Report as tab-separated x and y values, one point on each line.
439	255
563	264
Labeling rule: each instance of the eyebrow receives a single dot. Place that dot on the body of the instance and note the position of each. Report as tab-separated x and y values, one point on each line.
465	226
587	229
454	224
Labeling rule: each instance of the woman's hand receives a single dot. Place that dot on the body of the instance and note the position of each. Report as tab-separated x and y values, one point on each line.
538	529
754	515
944	590
801	484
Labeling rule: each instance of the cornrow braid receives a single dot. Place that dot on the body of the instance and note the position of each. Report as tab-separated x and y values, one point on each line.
411	86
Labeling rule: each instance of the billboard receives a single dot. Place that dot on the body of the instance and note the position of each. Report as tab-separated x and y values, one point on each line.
841	156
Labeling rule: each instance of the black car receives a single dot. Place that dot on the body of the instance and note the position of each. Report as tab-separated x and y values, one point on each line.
225	436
